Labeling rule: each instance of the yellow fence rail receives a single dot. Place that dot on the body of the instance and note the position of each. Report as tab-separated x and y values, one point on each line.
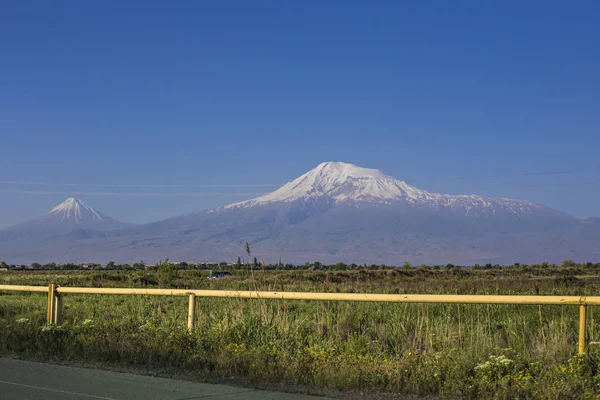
55	293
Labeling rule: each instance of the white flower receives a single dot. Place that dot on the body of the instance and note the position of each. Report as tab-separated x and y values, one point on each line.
494	361
485	365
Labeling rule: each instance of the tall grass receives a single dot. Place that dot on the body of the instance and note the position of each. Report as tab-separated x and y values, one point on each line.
472	351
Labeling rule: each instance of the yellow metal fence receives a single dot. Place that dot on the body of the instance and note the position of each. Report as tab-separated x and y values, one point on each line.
54	315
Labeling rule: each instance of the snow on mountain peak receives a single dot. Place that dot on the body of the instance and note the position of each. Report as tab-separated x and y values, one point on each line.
342	170
74	209
343	183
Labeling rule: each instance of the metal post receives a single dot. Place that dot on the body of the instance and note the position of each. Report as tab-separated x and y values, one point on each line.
58	309
582	315
191	310
51	303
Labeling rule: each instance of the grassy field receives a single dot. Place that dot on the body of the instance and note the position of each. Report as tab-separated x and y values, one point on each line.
470	351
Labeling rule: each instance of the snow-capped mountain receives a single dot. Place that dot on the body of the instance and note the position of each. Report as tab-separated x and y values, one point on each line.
76	211
342	184
335	212
72	215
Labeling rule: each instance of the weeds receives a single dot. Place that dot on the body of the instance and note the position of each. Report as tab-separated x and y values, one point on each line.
470	351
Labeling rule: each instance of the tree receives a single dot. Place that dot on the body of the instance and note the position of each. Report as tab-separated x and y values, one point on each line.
255	262
3	265
340	266
239	262
139	265
165	273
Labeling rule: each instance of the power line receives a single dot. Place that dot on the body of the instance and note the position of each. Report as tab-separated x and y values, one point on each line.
117	194
249	194
114	185
536	185
572	171
27	183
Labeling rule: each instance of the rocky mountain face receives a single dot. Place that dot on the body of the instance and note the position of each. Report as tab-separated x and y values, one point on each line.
341	212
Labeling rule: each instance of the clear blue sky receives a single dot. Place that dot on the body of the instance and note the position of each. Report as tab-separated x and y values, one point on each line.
259	92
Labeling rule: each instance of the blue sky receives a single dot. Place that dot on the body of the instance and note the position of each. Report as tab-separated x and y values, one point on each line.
236	92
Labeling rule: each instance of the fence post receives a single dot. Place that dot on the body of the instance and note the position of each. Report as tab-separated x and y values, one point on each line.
191	310
582	316
51	303
57	309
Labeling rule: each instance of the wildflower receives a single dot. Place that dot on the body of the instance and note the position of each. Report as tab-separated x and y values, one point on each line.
494	362
484	365
48	328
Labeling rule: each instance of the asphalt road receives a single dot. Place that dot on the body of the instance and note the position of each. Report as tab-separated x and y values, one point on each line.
25	380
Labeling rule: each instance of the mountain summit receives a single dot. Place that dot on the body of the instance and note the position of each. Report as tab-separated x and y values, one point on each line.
340	182
75	210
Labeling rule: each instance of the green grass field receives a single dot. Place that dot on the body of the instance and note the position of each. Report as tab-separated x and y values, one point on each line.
470	351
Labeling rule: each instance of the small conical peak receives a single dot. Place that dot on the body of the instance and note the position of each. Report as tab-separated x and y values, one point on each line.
76	209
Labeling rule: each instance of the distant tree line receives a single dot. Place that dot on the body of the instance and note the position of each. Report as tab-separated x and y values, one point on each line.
167	266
